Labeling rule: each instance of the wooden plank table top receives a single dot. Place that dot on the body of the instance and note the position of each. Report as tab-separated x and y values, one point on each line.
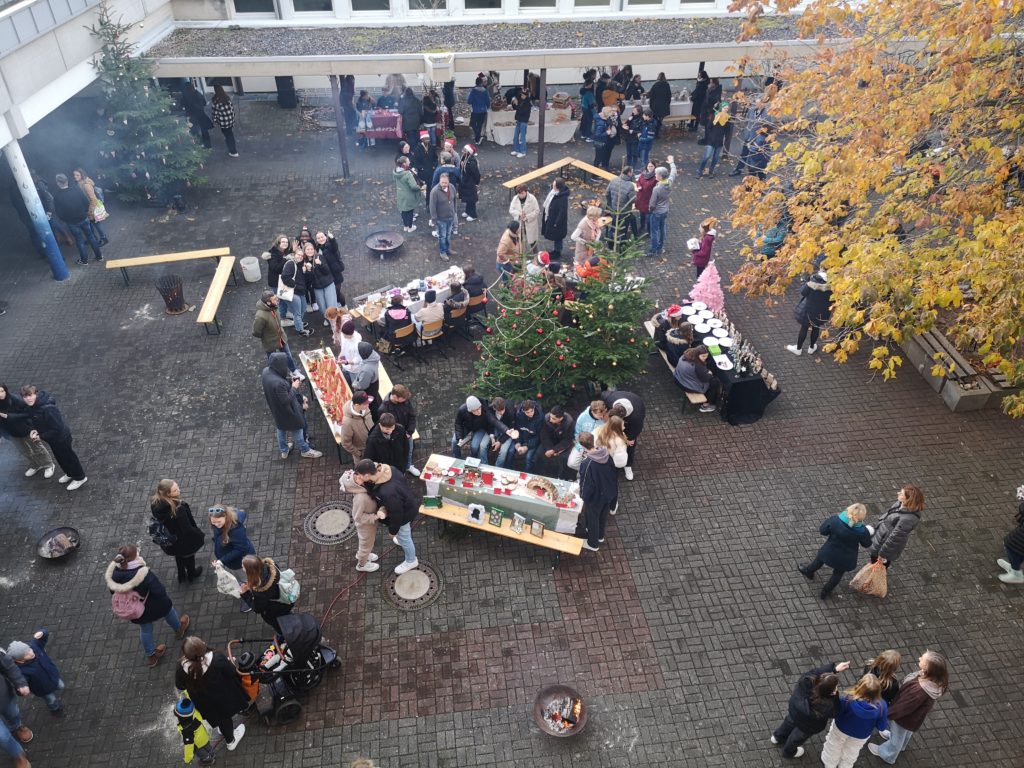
161	258
560	542
536	174
216	290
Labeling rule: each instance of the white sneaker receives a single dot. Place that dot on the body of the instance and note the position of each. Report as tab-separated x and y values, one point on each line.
774	740
370	567
74	485
1013	577
287	323
31	471
239	733
1004	564
311	454
314	307
629	473
63	479
48	472
413	471
614	510
471	218
707	408
592	549
434	233
799	752
406	567
411	229
465	215
514	153
812	349
793	348
395	539
326	324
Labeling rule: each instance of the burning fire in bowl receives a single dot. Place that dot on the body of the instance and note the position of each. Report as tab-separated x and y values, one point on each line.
560	711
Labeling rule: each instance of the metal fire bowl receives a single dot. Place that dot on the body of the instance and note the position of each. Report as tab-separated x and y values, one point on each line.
549	694
45	550
395	238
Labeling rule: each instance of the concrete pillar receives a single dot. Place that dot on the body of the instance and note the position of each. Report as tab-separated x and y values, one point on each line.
43	233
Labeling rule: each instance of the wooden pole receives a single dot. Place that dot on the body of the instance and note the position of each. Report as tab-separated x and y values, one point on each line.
339	119
543	112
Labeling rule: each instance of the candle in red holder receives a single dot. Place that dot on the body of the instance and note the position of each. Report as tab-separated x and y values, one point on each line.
427	475
451	481
497	491
487	477
467	484
508	492
522	475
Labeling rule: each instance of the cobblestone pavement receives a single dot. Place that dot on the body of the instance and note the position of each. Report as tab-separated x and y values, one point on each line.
686	632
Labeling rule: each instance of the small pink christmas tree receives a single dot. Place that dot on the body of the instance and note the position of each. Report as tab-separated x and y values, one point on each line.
708	289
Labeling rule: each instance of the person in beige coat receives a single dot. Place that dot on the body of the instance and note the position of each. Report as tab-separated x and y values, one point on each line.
588	231
525	209
364	515
356	425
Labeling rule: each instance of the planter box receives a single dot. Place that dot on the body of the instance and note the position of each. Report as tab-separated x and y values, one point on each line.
920	350
958	399
921	358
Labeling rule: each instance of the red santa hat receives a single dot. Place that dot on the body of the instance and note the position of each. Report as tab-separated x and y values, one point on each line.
424	134
674	311
544	258
471	148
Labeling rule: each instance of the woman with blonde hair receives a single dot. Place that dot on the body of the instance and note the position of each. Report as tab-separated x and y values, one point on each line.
920	690
262	590
885	666
88	186
894	527
230	540
587	232
612	435
861	713
185	538
845	532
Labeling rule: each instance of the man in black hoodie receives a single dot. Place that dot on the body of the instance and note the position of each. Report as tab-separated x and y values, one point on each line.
633	413
813	703
278	388
599	488
48	424
399	404
398	506
387	443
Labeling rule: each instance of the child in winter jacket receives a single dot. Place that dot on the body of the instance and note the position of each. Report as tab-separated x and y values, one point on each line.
862	711
194	738
39	670
702	254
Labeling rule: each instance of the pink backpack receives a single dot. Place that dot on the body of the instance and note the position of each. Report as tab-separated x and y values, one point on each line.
128	605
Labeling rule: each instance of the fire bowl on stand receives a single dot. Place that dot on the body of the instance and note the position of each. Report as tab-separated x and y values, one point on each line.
560	711
385	243
59	543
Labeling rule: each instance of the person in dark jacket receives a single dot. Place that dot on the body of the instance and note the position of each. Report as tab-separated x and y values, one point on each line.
474	283
230	540
599	488
557	436
660	99
411	110
176	516
213	685
278	389
523	106
294	274
469	182
812	312
472	429
424	158
261	589
194	104
398	403
698	96
129	572
47	424
814	701
479	101
387	443
633	411
701	256
397	316
918	694
760	152
398	506
529	420
15	423
40	672
714	142
502	418
13	733
268	327
1014	546
327	249
711	102
278	253
693	375
894	527
322	279
885	666
72	206
556	217
605	135
845	531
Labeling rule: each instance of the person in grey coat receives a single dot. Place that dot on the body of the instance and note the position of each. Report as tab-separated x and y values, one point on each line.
278	388
14	733
366	376
658	216
894	527
442	204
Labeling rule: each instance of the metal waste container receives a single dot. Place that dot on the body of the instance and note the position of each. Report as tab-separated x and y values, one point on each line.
171	290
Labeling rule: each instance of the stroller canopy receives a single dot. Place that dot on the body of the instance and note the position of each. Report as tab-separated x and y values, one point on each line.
301	633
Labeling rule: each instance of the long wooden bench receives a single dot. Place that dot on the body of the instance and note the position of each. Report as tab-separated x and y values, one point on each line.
536	174
559	543
208	312
168	258
694	398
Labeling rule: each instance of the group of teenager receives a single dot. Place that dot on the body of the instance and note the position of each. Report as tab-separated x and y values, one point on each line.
306	272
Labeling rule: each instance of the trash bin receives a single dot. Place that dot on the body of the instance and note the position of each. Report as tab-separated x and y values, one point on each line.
286	92
250	269
171	291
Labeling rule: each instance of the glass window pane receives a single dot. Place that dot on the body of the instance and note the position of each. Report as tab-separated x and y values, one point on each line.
591	3
428	5
649	2
255	6
483	5
371	5
537	3
313	6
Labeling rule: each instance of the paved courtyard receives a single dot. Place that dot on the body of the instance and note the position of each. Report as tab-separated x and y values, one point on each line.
685	633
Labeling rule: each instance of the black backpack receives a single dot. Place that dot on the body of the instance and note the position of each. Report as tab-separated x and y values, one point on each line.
160	535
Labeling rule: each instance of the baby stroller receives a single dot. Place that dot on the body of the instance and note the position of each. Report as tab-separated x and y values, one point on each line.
293	663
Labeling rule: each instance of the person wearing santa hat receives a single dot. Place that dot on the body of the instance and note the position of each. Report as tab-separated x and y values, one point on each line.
662	322
539	264
469	182
424	160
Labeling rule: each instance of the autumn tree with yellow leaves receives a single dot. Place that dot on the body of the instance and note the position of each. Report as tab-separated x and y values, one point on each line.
899	161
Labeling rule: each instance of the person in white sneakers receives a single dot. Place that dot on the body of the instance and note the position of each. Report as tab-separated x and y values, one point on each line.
633	411
213	684
398	403
812	312
1014	546
364	515
398	506
48	424
285	410
14	423
814	701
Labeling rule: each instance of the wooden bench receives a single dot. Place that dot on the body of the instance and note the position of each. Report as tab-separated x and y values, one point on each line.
695	398
168	258
593	170
559	543
385	385
533	175
208	312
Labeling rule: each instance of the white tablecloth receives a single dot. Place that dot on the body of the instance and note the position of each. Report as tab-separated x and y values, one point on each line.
680	108
559	127
439	283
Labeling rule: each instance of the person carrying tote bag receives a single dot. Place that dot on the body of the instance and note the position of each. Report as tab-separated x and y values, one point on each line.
185	537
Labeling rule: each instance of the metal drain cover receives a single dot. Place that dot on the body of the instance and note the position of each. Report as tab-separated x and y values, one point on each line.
330	523
413	589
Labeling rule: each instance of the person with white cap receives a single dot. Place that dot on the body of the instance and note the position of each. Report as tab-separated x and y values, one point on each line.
472	429
469	182
633	411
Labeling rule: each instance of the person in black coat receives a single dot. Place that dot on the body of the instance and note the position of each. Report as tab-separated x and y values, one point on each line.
327	249
295	274
1014	546
412	110
473	425
278	389
557	436
633	412
697	97
711	101
660	98
812	312
556	217
213	684
176	516
194	104
388	443
424	158
16	423
47	424
814	701
277	255
398	506
129	572
261	589
845	531
469	182
599	489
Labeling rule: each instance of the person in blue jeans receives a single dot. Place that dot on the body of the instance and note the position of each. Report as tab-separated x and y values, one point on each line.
398	506
526	440
12	733
442	211
588	105
479	101
279	389
72	206
714	135
523	106
659	206
472	429
295	273
43	677
645	138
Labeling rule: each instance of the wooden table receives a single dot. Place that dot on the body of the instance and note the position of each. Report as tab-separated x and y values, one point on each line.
167	258
306	358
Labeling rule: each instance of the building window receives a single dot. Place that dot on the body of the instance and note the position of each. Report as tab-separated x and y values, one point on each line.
591	3
483	5
428	5
313	6
538	4
255	6
654	2
375	6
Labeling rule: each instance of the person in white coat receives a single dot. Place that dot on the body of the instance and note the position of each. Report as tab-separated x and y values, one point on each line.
525	209
611	435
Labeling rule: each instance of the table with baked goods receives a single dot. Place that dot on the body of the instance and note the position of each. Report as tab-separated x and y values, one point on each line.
387	124
559	127
330	388
369	308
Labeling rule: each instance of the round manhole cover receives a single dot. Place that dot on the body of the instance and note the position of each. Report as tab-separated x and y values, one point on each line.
330	523
413	589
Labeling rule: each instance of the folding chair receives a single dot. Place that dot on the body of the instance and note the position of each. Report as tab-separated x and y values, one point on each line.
458	322
431	336
404	341
475	305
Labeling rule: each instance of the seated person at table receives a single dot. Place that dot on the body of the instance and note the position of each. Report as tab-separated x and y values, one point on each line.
472	429
430	312
662	321
474	283
397	316
503	423
678	339
693	375
387	100
537	267
388	443
457	299
529	421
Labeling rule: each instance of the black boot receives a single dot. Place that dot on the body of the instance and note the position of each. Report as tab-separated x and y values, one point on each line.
196	573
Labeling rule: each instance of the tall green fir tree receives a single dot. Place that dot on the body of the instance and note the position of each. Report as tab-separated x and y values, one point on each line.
148	151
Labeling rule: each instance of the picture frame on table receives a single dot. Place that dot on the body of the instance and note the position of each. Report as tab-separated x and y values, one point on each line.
518	523
495	517
537	529
476	514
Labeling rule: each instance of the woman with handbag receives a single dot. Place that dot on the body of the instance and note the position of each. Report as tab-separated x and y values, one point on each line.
212	682
293	276
845	531
185	538
812	312
894	527
97	209
918	694
262	589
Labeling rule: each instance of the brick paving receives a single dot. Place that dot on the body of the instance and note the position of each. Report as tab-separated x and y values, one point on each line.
686	632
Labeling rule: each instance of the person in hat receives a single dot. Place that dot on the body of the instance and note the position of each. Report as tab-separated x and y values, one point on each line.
539	264
430	312
812	312
278	389
470	181
473	427
556	216
632	410
40	672
424	159
479	101
662	322
195	739
356	425
366	376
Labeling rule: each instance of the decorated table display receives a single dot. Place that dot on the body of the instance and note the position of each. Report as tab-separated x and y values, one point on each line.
559	127
524	498
387	124
370	307
329	385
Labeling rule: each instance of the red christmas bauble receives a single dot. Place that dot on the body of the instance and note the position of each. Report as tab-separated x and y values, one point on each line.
487	373
515	326
574	365
518	313
558	342
540	395
561	357
490	330
540	330
516	360
573	385
554	313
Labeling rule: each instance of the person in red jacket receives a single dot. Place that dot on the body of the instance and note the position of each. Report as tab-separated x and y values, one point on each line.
918	694
645	183
702	254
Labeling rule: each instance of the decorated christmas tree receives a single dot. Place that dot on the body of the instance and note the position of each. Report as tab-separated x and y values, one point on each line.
708	289
149	152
